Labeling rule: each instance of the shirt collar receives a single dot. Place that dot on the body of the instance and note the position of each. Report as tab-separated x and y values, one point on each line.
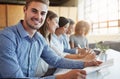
23	33
37	36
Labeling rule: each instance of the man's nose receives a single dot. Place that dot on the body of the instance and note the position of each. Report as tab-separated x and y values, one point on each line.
38	15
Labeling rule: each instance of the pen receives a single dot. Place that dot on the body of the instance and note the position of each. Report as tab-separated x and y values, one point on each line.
79	46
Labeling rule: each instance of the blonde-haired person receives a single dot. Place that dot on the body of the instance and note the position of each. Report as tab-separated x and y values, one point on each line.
78	39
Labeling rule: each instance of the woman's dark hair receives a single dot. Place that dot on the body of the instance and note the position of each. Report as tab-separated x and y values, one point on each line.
63	21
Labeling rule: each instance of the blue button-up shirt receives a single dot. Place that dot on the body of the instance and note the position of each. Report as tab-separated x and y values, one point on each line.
19	54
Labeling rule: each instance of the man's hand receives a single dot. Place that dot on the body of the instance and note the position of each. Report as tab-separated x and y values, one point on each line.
92	63
73	74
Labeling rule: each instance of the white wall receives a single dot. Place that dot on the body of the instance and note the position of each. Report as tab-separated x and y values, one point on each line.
80	9
97	38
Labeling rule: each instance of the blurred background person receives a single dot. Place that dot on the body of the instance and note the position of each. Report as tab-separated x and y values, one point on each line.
67	34
49	30
57	43
78	39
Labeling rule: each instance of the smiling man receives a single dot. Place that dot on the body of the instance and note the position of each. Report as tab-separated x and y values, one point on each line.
21	46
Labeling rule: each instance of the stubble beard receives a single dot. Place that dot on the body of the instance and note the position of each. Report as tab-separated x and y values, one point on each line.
34	27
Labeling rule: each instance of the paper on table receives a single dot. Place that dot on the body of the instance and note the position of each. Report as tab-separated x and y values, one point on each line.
96	68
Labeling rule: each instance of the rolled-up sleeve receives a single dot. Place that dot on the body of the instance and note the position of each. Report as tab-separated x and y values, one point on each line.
71	51
53	59
62	54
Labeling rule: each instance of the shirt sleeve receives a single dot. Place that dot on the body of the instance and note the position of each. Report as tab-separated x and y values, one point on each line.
71	38
71	51
53	59
9	67
58	52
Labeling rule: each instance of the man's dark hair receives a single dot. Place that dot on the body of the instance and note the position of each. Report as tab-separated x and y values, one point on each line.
42	1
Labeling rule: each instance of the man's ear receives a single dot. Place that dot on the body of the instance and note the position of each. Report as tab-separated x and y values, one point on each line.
24	9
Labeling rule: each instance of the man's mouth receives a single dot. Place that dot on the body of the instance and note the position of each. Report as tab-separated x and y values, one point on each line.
36	21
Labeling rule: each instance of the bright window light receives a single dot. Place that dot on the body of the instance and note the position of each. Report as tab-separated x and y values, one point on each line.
103	14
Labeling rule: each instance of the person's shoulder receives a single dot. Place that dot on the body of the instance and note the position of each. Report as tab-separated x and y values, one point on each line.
41	38
63	36
8	32
53	36
86	38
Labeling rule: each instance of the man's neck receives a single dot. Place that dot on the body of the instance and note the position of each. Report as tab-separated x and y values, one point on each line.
30	31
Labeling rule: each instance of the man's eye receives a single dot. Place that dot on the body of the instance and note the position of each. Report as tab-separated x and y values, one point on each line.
34	11
43	13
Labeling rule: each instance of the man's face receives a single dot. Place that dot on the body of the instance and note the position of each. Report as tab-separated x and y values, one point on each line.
35	15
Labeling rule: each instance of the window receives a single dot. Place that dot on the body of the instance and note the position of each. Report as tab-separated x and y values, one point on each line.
104	15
